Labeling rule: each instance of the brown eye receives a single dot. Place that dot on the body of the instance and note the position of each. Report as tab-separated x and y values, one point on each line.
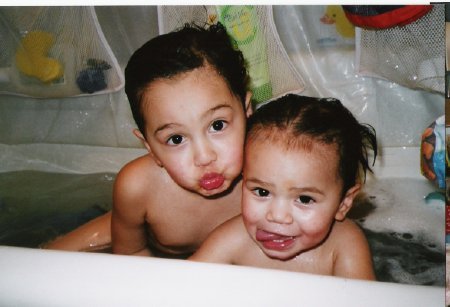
261	192
218	125
305	199
175	140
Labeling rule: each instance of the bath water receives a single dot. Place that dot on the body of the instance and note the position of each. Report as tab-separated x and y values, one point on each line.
36	207
403	219
403	229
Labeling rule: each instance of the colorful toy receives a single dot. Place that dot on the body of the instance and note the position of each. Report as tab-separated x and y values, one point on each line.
334	14
432	152
32	60
92	79
384	16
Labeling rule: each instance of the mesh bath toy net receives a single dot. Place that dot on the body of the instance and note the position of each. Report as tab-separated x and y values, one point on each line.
253	31
54	52
412	55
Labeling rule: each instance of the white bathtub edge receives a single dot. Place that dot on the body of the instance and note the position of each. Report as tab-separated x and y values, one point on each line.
54	278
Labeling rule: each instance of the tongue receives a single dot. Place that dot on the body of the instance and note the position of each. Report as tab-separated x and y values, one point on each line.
262	235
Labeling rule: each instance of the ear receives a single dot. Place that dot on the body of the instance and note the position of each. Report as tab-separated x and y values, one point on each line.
248	104
139	135
347	202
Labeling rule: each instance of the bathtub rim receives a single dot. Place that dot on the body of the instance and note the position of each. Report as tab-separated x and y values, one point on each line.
44	277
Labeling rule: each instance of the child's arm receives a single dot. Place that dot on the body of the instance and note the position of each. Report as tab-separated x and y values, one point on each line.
353	258
93	236
222	243
128	226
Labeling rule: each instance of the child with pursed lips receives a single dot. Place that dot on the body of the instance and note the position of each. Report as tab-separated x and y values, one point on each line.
303	167
188	94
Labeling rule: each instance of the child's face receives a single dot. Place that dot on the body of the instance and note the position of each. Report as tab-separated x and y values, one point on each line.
195	129
291	197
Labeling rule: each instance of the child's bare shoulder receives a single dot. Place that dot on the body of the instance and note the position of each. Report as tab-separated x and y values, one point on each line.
233	233
352	252
137	180
347	238
225	244
138	173
233	226
347	230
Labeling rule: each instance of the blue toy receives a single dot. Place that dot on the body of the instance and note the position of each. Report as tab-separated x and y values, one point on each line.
432	157
92	79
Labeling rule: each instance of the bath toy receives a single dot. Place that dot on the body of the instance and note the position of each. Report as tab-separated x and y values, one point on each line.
384	16
92	78
432	152
334	14
32	60
438	197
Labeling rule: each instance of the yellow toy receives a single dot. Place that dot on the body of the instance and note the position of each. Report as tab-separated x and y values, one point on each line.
32	60
334	14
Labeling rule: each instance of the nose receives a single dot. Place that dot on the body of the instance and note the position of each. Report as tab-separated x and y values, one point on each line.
279	212
204	153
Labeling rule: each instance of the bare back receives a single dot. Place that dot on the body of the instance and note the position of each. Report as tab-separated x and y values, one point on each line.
151	210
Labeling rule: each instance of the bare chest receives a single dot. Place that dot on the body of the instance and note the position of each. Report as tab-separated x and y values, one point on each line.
313	262
179	222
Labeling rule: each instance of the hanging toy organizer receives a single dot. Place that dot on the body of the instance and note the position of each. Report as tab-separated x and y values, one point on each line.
55	52
253	31
404	44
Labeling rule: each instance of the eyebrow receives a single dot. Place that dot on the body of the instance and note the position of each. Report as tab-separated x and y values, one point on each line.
308	189
210	111
259	182
270	185
214	109
165	126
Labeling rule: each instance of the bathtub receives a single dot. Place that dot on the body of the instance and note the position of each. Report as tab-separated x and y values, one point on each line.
36	277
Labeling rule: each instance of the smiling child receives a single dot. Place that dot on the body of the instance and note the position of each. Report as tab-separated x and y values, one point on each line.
303	167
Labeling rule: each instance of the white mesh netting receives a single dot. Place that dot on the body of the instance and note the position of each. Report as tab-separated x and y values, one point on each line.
322	57
49	52
283	77
412	55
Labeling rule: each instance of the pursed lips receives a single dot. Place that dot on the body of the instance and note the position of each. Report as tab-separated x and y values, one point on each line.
211	181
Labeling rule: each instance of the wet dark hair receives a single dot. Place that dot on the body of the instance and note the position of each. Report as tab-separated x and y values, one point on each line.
181	51
293	117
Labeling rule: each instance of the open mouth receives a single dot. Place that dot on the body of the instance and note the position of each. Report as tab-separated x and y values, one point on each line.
211	181
274	241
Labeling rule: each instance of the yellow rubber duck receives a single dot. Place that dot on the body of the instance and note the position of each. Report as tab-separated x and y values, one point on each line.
334	14
32	60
